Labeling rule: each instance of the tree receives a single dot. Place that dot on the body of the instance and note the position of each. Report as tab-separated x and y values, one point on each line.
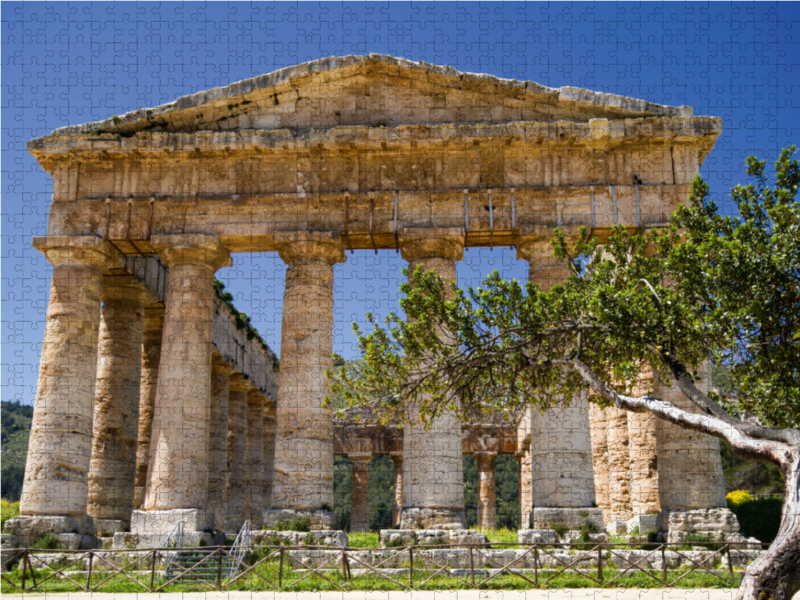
664	301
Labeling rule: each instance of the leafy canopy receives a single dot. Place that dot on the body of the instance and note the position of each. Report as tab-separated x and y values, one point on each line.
653	302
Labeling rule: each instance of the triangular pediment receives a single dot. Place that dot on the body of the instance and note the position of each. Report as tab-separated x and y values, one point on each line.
373	91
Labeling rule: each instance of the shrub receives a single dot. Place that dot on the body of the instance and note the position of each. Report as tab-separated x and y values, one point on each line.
395	543
46	542
294	524
759	517
559	528
7	511
737	497
309	540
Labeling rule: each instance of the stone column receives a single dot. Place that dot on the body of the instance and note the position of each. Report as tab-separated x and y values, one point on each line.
269	451
237	454
598	429
561	447
254	498
221	372
433	477
397	482
59	451
525	488
487	504
112	475
619	464
151	356
359	493
303	472
179	453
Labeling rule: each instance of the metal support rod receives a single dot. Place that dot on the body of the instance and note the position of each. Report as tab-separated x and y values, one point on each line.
466	211
513	212
614	201
593	212
638	207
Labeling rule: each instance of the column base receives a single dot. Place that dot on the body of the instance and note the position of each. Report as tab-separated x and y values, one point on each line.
108	527
432	518
165	521
29	528
545	517
318	519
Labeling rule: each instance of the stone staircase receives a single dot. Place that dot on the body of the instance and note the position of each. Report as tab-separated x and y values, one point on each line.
191	559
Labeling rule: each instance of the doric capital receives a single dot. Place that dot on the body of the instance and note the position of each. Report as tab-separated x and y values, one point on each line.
256	397
484	456
361	457
221	366
421	243
192	249
296	246
124	288
238	383
78	250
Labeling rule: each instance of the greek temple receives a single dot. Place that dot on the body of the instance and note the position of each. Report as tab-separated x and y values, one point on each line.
155	407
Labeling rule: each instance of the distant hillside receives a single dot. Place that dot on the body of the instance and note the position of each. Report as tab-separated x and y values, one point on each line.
16	428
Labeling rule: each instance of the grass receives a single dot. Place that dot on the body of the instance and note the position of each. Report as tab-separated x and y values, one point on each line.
295	580
499	536
364	540
294	524
7	511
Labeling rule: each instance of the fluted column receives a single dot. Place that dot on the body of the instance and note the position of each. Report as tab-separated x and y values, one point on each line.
433	477
254	498
525	488
269	451
303	470
59	450
151	357
359	492
112	475
487	504
561	447
237	454
179	446
221	372
397	483
619	464
599	432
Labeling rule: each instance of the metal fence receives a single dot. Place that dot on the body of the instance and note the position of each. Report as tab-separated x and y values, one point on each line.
341	568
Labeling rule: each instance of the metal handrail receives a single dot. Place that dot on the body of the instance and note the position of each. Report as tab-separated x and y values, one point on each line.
174	540
238	550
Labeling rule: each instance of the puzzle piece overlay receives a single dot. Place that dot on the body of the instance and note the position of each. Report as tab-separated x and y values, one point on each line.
157	409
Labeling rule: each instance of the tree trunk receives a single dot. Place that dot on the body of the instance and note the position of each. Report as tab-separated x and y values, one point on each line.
776	575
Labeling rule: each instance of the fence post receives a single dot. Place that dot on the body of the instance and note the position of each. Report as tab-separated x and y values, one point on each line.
730	565
664	562
24	568
411	567
219	568
280	567
89	571
344	565
153	570
472	565
536	564
600	563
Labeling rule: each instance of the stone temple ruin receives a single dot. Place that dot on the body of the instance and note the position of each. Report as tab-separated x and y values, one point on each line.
153	408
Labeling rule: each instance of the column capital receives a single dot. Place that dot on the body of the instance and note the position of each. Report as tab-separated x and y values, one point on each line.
360	456
295	246
192	248
220	366
256	397
78	250
484	455
238	383
124	288
418	243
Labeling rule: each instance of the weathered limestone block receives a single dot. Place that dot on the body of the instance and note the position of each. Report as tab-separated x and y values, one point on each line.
318	519
29	528
316	537
237	454
429	537
487	505
643	448
536	536
151	357
718	523
59	451
599	434
573	518
254	494
269	451
112	474
218	442
303	468
619	465
525	488
164	521
179	456
433	489
359	494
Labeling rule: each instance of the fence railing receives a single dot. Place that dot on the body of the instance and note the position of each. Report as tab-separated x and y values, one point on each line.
405	567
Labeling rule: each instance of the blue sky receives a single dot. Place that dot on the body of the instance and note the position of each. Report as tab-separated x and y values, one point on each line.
67	63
